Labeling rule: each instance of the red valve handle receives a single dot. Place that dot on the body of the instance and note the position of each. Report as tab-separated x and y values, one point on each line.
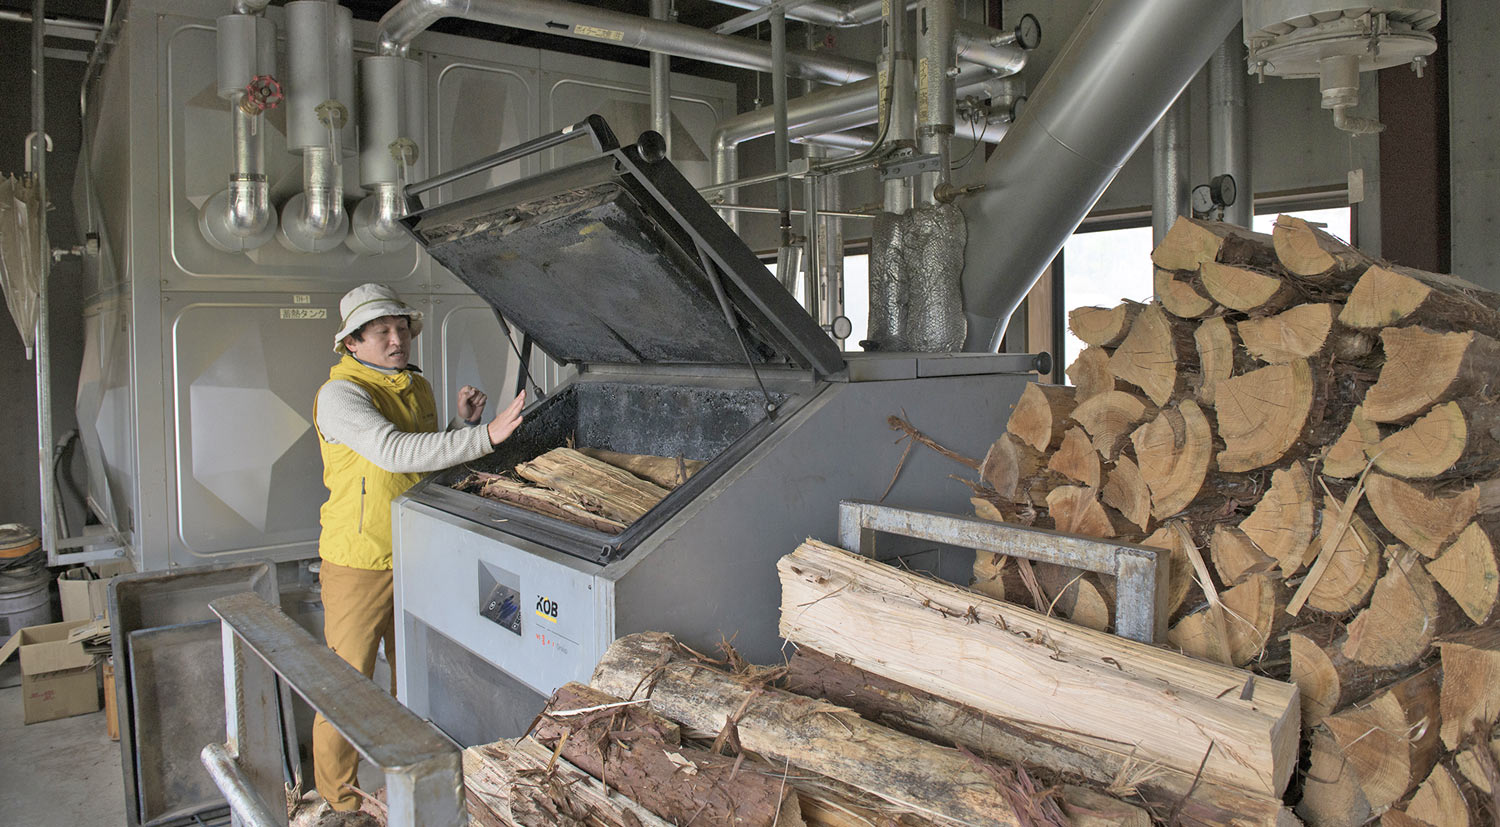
262	93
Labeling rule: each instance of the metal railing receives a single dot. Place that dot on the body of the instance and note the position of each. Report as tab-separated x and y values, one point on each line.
265	653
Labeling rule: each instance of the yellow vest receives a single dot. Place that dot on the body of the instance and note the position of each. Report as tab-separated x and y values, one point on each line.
357	517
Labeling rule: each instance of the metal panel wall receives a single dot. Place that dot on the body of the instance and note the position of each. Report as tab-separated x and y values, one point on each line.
1473	108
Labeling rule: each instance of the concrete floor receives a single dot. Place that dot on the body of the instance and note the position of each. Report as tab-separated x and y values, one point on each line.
63	773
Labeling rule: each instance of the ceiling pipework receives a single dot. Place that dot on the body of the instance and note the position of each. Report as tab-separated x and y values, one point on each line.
1335	40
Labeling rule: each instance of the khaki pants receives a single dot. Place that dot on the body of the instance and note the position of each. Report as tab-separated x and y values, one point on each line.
358	613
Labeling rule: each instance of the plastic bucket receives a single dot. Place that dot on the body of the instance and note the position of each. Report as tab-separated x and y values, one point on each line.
24	600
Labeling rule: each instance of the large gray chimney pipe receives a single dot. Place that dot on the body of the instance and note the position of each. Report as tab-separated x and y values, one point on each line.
1121	69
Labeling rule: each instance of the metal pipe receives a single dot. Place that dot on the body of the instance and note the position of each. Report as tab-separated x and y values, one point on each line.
811	255
824	14
43	253
313	221
982	45
86	29
1169	169
249	209
1118	73
772	211
935	92
248	809
900	117
240	218
388	146
778	112
411	17
1229	126
661	80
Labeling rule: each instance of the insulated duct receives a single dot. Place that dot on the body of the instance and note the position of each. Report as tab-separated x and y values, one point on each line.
935	92
320	94
916	303
390	146
1113	80
1169	170
1229	126
824	14
410	18
239	218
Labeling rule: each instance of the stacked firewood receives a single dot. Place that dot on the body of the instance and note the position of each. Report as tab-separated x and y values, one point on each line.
905	701
1310	432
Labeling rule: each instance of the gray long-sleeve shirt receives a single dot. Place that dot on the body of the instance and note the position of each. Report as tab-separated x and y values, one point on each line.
348	416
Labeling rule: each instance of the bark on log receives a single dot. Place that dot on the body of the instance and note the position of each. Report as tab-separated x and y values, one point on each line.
1168	706
1425	368
1421	515
1103	326
1263	414
1349	455
1125	490
543	500
1389	739
809	734
1328	679
1109	418
1305	250
1247	290
1041	415
1283	522
1179	295
637	753
1469	570
1388	296
618	494
1156	356
1471	683
1174	452
1331	795
1090	374
1406	614
1076	459
1191	241
1299	333
667	472
519	784
1455	440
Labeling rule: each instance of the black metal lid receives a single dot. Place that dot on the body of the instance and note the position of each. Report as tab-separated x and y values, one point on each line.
616	259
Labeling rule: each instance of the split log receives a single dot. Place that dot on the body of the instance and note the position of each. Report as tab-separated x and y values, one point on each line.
1253	612
1455	440
1125	490
1421	515
1172	538
1041	415
1299	333
1076	458
1353	565
1236	557
1120	695
1174	451
1348	455
993	575
1191	241
1262	414
1082	597
1219	357
1331	795
1282	524
1017	472
935	718
667	472
1090	373
1472	765
1469	570
1109	417
619	494
639	754
1156	355
1179	296
1471	683
1389	739
1397	296
1247	290
1103	326
543	500
520	783
1424	368
812	735
1076	510
1328	679
1406	614
1439	801
1306	250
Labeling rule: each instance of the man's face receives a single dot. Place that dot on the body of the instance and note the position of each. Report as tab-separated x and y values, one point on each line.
386	343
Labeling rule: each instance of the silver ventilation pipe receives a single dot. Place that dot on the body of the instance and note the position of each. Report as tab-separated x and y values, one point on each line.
898	117
842	15
1229	126
1116	76
661	81
1169	169
239	218
935	92
410	18
390	146
320	92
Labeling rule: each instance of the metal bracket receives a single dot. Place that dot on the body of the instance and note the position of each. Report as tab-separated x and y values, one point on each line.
1140	573
263	647
909	166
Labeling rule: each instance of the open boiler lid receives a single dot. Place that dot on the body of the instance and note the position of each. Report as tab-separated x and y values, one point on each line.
618	259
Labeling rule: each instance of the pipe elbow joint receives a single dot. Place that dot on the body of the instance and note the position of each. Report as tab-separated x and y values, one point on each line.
234	223
375	225
410	18
309	224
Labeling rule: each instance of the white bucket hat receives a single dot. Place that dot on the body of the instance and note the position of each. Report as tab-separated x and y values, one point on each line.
371	301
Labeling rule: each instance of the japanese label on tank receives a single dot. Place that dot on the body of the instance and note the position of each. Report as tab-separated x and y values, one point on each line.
301	298
594	31
304	313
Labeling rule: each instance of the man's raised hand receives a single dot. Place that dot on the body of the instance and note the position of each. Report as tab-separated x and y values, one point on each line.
471	402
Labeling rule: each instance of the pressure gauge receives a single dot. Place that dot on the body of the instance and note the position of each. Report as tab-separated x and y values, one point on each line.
1029	32
1223	190
841	327
1203	199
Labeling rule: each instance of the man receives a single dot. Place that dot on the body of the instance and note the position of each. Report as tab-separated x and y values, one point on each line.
377	427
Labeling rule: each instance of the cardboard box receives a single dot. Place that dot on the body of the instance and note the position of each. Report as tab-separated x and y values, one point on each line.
111	709
58	678
84	594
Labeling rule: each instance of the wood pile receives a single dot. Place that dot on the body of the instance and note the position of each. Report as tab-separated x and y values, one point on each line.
592	487
1311	433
